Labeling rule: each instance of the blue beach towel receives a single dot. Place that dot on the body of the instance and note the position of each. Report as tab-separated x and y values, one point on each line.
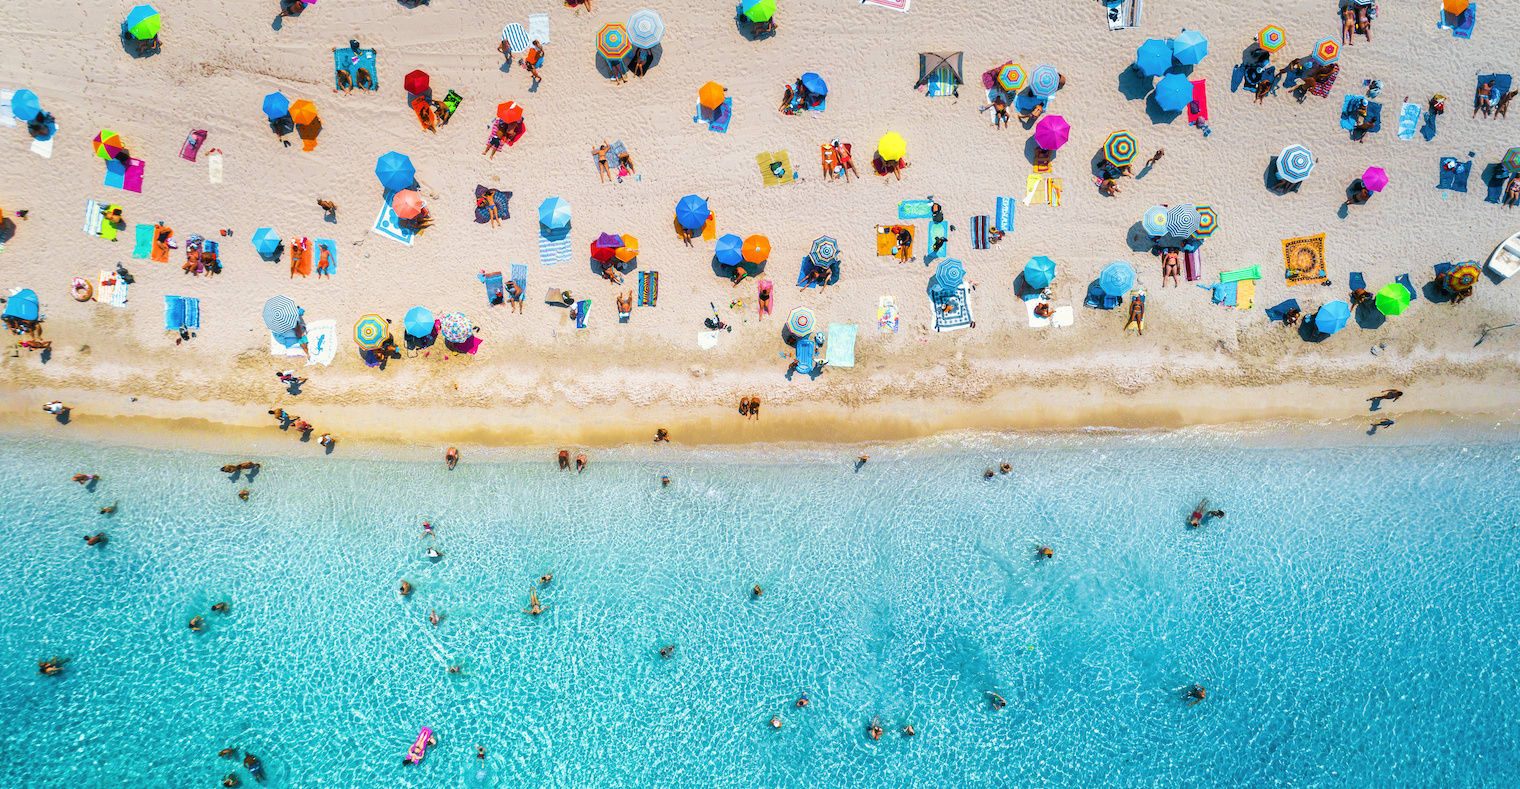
581	308
808	265
1223	292
554	246
1003	217
1403	279
181	312
841	344
915	209
1501	84
520	276
1455	180
1442	268
1462	26
1356	281
941	82
1280	311
1495	187
1409	120
721	117
1024	103
494	292
344	59
1374	113
322	243
937	230
806	350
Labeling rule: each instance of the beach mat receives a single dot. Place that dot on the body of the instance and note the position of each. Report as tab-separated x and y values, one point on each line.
538	27
721	117
649	288
214	166
959	315
128	177
807	264
387	224
1374	113
1403	279
1198	108
841	344
1495	183
94	218
160	247
1501	85
937	230
501	198
979	236
1192	263
143	245
1322	89
554	247
1245	294
886	239
915	209
520	276
1409	120
886	314
322	339
1356	281
1003	216
330	248
345	60
581	308
1453	179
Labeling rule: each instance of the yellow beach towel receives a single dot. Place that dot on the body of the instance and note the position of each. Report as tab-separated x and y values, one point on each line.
1053	188
1245	294
1032	185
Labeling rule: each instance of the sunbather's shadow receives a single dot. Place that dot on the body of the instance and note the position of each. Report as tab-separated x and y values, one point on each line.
1428	131
305	436
328	450
63	416
252	473
294	387
609	69
7	229
45	356
1132	85
1367	315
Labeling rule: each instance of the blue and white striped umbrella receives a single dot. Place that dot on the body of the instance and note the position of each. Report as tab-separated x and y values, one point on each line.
1044	80
516	37
281	314
949	274
800	322
645	28
1181	221
1294	163
825	250
1154	220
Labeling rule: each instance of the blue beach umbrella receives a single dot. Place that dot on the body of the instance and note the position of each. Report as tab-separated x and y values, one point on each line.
730	250
23	306
825	250
265	241
949	274
395	171
645	28
1044	80
1332	317
1189	47
1173	92
1181	221
1039	272
815	84
554	213
1295	163
1154	221
281	315
1153	57
143	22
24	105
419	322
691	212
276	105
1116	278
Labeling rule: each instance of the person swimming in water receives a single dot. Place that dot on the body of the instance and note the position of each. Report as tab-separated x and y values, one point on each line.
220	608
85	479
1044	552
667	650
907	730
802	701
432	553
406	588
427	529
109	510
433	617
255	767
243	494
756	591
231	780
1196	519
1216	513
988	474
51	666
533	607
197	623
998	702
775	721
874	729
543	580
564	460
1196	693
580	463
665	482
98	539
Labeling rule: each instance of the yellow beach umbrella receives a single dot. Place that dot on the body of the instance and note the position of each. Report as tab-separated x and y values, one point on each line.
891	147
629	250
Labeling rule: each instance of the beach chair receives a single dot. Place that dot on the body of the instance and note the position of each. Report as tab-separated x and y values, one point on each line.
495	294
1124	14
1099	300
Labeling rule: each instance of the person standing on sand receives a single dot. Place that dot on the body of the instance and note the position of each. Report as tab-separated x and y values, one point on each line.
1155	157
451	458
564	460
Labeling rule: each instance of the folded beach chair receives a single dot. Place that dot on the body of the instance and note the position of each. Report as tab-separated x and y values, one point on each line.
520	276
192	146
1004	215
649	288
1461	25
495	293
979	235
581	308
143	245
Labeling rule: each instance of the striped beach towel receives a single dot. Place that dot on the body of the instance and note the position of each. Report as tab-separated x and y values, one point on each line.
979	238
1004	216
516	37
649	288
1322	88
93	218
553	250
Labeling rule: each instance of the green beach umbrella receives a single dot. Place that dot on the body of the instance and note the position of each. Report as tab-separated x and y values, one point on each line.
759	10
1511	160
143	22
1393	299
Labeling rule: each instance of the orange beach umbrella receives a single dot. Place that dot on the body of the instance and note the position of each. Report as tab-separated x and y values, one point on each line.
757	249
407	203
711	95
629	250
303	111
510	112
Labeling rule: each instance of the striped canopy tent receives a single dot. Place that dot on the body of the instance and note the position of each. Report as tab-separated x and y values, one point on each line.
1012	77
1044	80
1154	220
1181	221
612	41
1295	163
800	322
281	315
645	28
371	331
1208	221
1120	148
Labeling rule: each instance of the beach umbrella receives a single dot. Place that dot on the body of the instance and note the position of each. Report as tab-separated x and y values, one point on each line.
1189	47
416	81
757	249
1271	38
276	106
1511	160
1154	220
1173	92
758	10
1153	57
24	105
395	171
108	144
1039	272
729	250
1464	276
1044	80
1116	278
510	112
265	241
1294	163
891	147
710	95
455	327
1051	132
1454	7
629	250
692	212
825	250
143	22
407	203
1375	178
281	315
554	213
303	111
612	41
1208	221
1012	77
419	322
1332	317
949	274
1327	51
1393	299
370	331
800	322
605	246
814	84
23	305
645	28
1181	221
1120	148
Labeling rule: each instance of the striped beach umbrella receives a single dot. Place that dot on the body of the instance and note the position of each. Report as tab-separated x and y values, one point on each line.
1294	163
801	322
1153	57
1189	47
1044	80
455	327
645	28
729	250
1271	38
1208	221
419	322
1154	220
143	22
757	249
1039	272
612	41
276	106
1511	161
1120	148
281	315
825	250
370	332
1393	299
758	10
1173	92
1116	278
949	274
1181	221
692	212
395	171
108	144
1332	317
1327	51
1012	77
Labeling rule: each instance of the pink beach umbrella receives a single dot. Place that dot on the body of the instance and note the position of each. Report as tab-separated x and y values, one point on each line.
1051	132
1375	179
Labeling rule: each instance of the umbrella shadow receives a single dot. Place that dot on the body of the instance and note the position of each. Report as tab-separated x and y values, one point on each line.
139	49
1133	85
727	272
610	69
1367	315
308	134
7	229
1157	115
1031	149
649	58
751	31
1275	183
1308	333
1139	240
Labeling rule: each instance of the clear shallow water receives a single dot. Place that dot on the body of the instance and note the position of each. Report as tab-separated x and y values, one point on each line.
1354	618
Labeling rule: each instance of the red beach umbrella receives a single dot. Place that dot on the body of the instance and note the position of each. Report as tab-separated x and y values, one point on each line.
510	112
416	82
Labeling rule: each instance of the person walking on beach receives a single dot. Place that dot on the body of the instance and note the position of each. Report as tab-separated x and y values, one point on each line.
1155	157
451	458
1380	423
1386	394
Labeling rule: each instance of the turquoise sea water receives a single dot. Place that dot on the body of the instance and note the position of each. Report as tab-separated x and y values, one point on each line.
1354	617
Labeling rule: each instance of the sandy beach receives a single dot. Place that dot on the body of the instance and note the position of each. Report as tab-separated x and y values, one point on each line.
536	379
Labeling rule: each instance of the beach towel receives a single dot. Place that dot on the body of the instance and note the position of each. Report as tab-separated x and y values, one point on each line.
1322	88
300	257
1034	185
1409	120
94	218
937	231
516	37
707	340
895	5
322	339
581	308
1304	259
520	276
710	230
127	176
214	166
1403	279
538	27
764	307
1455	177
1374	113
495	293
886	240
1099	300
1280	311
1245	294
1064	316
192	146
1192	263
44	147
775	168
1356	281
1053	187
144	242
1495	182
105	287
325	247
1252	272
554	247
1035	321
181	312
808	266
483	214
346	60
721	117
886	314
941	82
1501	85
1222	292
388	225
1004	215
1198	108
959	314
841	344
979	236
7	117
161	236
915	209
649	288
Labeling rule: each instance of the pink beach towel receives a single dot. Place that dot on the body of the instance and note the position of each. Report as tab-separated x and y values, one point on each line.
192	146
1198	108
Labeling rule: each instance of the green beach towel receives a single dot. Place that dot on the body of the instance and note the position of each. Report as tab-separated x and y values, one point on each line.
1254	272
144	244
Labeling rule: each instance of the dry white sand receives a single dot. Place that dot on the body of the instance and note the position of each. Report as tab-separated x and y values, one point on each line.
537	373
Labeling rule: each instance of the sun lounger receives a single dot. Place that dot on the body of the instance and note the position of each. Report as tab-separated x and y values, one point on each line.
980	239
1403	279
1003	217
807	351
1192	262
143	245
649	288
495	292
775	168
1252	272
937	231
192	146
520	276
581	308
1454	179
959	315
721	117
1097	299
886	314
915	209
538	27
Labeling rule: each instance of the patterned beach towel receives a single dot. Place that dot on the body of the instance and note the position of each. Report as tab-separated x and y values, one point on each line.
952	311
1004	214
895	5
979	239
886	314
649	288
1409	120
1322	89
387	224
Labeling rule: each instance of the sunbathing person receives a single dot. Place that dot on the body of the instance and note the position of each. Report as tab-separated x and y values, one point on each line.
627	163
1107	186
625	303
1501	107
493	143
1170	267
1290	318
1512	191
324	263
611	274
603	174
1485	100
1000	111
1348	25
641	60
1364	22
1360	196
846	161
